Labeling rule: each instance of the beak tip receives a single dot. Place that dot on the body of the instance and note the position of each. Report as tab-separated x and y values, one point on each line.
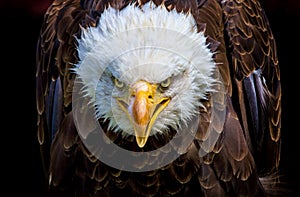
141	141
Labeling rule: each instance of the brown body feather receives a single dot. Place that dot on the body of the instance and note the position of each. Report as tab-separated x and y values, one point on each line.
249	143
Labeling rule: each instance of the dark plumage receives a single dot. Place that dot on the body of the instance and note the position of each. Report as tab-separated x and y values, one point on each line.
244	158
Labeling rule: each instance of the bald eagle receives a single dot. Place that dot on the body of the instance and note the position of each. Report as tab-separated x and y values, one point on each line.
158	98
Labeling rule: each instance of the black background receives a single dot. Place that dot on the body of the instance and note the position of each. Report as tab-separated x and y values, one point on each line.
20	22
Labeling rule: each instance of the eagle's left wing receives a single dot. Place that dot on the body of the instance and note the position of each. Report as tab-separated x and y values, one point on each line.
256	80
249	144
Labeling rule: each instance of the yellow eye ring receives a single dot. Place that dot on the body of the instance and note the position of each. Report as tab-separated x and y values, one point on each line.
118	83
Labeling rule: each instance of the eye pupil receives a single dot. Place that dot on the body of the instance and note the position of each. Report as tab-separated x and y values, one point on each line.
118	83
165	83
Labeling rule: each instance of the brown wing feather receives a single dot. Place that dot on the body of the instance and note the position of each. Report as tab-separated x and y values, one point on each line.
250	142
55	55
256	77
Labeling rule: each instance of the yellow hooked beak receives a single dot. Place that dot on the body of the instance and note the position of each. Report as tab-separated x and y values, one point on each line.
143	108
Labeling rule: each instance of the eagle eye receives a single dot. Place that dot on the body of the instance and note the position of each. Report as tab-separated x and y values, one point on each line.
118	83
165	84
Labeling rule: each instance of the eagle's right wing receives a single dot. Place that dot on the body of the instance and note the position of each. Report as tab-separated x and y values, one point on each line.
55	55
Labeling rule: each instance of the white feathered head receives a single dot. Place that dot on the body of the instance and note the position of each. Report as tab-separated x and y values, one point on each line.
145	68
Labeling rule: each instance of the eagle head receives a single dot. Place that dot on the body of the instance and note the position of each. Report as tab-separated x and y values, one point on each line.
145	68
